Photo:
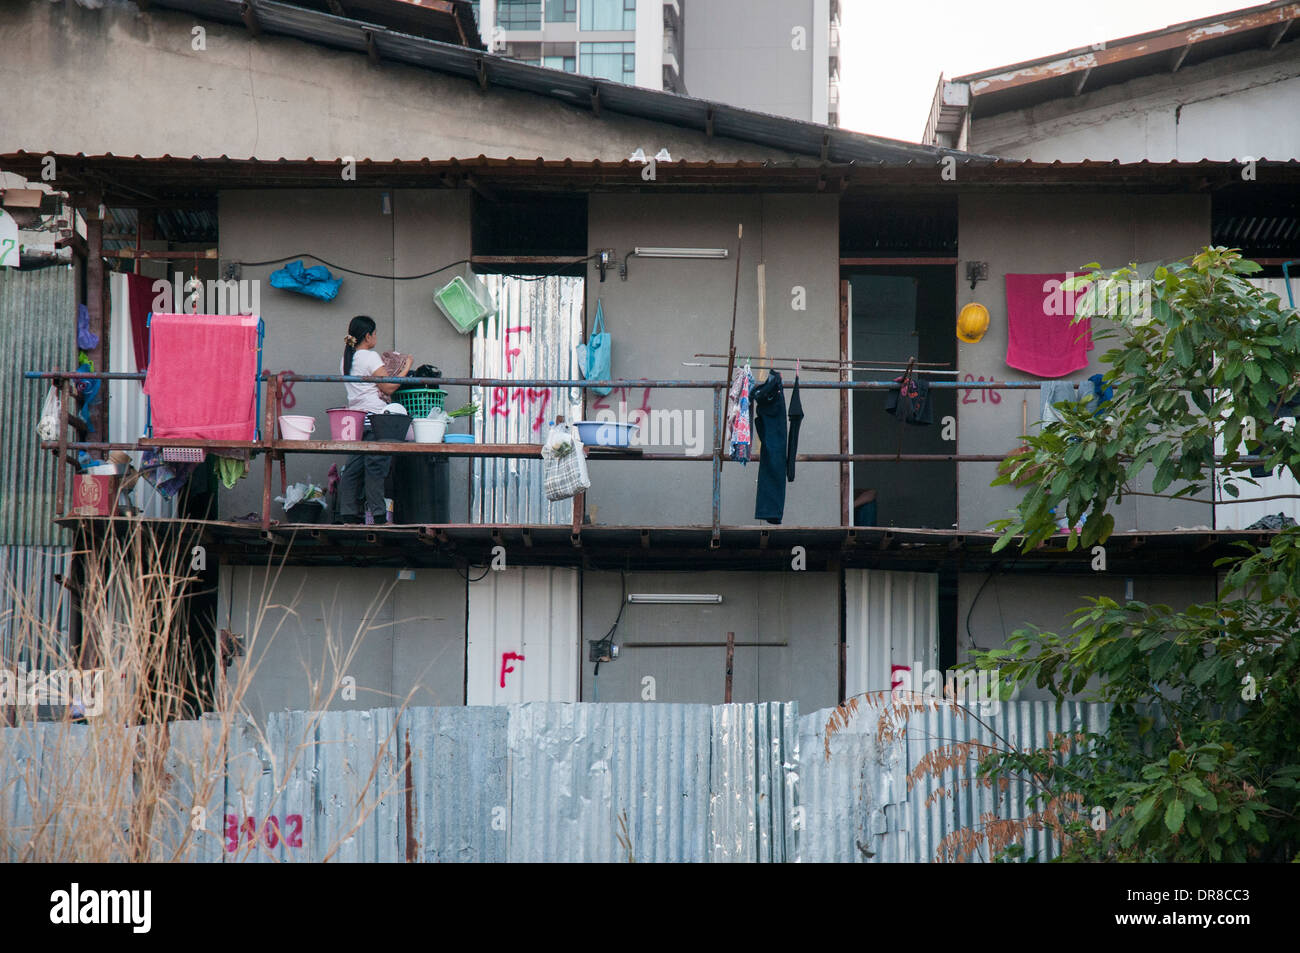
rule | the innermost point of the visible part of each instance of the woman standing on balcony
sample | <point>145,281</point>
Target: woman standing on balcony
<point>364,474</point>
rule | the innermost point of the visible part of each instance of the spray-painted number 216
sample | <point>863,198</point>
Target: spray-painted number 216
<point>269,834</point>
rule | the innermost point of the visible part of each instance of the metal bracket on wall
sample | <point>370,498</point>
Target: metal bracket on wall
<point>976,271</point>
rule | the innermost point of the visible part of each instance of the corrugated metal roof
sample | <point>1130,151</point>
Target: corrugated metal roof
<point>38,313</point>
<point>731,122</point>
<point>124,180</point>
<point>1157,52</point>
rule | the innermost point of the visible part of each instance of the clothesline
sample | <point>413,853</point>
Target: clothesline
<point>821,368</point>
<point>839,361</point>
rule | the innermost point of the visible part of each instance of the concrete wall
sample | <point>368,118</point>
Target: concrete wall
<point>399,640</point>
<point>1050,234</point>
<point>426,229</point>
<point>670,309</point>
<point>726,39</point>
<point>1014,601</point>
<point>1230,107</point>
<point>801,609</point>
<point>118,80</point>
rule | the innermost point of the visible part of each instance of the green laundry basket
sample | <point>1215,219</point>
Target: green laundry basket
<point>465,304</point>
<point>420,401</point>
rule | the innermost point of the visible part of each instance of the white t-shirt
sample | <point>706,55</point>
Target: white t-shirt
<point>364,396</point>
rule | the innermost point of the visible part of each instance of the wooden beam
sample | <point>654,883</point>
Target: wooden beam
<point>372,51</point>
<point>1275,35</point>
<point>480,69</point>
<point>1079,81</point>
<point>708,123</point>
<point>595,101</point>
<point>480,188</point>
<point>1176,60</point>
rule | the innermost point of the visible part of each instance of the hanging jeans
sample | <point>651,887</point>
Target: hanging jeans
<point>769,424</point>
<point>364,474</point>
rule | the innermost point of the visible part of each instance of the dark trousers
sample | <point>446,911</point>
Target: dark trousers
<point>364,474</point>
<point>769,424</point>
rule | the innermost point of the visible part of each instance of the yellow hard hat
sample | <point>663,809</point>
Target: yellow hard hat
<point>972,322</point>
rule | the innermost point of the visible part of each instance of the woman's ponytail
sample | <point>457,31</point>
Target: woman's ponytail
<point>358,328</point>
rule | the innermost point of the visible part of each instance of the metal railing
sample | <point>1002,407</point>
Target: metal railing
<point>273,449</point>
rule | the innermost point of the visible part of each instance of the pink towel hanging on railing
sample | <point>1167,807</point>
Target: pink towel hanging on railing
<point>1041,337</point>
<point>202,377</point>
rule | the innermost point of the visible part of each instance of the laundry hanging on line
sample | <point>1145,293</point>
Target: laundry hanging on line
<point>910,401</point>
<point>796,421</point>
<point>738,413</point>
<point>770,426</point>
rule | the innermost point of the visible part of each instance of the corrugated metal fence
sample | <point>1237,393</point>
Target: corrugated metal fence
<point>37,330</point>
<point>540,781</point>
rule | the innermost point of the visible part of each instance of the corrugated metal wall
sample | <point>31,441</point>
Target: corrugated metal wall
<point>533,335</point>
<point>1242,515</point>
<point>533,782</point>
<point>38,314</point>
<point>890,618</point>
<point>857,805</point>
<point>32,605</point>
<point>38,322</point>
<point>527,620</point>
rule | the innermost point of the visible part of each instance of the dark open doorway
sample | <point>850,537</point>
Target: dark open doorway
<point>898,313</point>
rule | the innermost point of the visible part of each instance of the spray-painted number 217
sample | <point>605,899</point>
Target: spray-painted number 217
<point>269,834</point>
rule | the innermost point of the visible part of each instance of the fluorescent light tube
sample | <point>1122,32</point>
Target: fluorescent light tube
<point>674,598</point>
<point>641,252</point>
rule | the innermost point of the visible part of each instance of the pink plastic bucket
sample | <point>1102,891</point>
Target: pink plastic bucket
<point>346,424</point>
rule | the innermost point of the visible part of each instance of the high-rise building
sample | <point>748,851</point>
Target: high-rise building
<point>776,56</point>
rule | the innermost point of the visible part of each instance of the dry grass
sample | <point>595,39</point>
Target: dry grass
<point>118,786</point>
<point>952,767</point>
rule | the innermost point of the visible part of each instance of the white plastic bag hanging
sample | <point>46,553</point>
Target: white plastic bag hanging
<point>565,466</point>
<point>47,428</point>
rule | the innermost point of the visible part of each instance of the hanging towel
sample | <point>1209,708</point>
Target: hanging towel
<point>231,471</point>
<point>738,418</point>
<point>139,302</point>
<point>1052,393</point>
<point>769,424</point>
<point>202,377</point>
<point>796,421</point>
<point>1040,336</point>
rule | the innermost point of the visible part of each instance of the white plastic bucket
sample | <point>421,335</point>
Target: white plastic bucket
<point>293,427</point>
<point>429,431</point>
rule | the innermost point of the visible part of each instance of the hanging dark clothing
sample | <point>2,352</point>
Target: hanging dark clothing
<point>768,401</point>
<point>910,401</point>
<point>796,421</point>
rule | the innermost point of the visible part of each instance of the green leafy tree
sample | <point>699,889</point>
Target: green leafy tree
<point>1201,760</point>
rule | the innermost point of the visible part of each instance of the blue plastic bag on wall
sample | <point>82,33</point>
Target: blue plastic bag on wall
<point>593,357</point>
<point>316,282</point>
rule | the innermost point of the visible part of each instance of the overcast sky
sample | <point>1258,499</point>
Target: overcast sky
<point>892,51</point>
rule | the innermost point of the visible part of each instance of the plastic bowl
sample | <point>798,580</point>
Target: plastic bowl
<point>605,433</point>
<point>458,438</point>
